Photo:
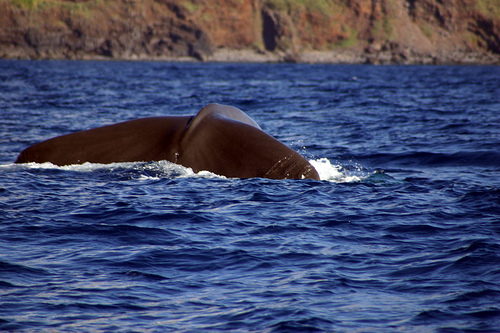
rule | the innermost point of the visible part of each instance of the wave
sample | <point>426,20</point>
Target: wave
<point>333,173</point>
<point>488,158</point>
<point>133,170</point>
<point>327,170</point>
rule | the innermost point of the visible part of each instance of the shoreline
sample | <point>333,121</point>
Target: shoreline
<point>352,57</point>
<point>339,57</point>
<point>338,32</point>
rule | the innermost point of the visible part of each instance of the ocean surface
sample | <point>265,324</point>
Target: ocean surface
<point>401,234</point>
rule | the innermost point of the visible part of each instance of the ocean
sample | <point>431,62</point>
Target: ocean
<point>402,233</point>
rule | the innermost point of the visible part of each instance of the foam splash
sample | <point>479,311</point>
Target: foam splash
<point>172,170</point>
<point>85,167</point>
<point>138,170</point>
<point>332,173</point>
<point>165,169</point>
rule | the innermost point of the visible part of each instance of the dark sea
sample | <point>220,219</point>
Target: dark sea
<point>402,233</point>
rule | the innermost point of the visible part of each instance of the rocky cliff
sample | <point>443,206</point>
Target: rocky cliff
<point>338,31</point>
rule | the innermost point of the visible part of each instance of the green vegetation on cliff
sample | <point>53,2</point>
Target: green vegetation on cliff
<point>489,8</point>
<point>26,4</point>
<point>320,6</point>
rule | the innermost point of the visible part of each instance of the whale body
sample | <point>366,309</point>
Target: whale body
<point>220,138</point>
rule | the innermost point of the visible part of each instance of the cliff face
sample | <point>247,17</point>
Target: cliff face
<point>375,31</point>
<point>88,29</point>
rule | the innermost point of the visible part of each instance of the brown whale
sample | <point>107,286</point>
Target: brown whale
<point>220,138</point>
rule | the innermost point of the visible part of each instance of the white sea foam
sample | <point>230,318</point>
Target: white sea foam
<point>179,171</point>
<point>85,167</point>
<point>333,173</point>
<point>165,169</point>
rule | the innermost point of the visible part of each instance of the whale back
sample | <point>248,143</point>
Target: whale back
<point>220,139</point>
<point>226,111</point>
<point>145,139</point>
<point>224,140</point>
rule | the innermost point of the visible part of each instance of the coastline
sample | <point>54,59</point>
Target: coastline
<point>352,57</point>
<point>356,32</point>
<point>341,57</point>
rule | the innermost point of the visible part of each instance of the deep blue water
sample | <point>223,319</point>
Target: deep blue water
<point>402,233</point>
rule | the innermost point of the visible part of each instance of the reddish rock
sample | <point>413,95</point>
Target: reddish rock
<point>374,31</point>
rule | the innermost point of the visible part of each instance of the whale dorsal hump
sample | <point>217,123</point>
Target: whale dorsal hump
<point>226,111</point>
